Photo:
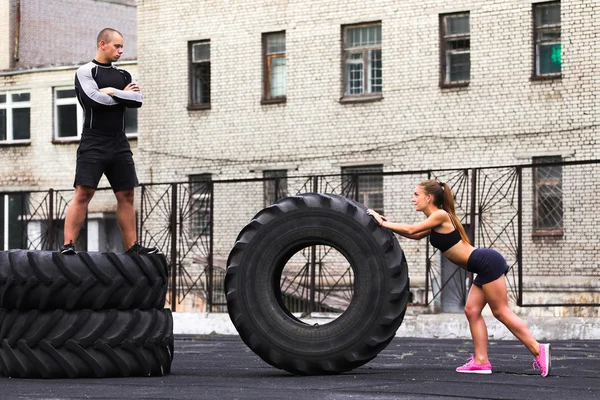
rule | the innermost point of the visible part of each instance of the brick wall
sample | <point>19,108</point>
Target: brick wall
<point>501,118</point>
<point>63,32</point>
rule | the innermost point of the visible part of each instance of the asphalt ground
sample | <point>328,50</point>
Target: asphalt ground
<point>222,367</point>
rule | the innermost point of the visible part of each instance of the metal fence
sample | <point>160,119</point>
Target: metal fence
<point>541,217</point>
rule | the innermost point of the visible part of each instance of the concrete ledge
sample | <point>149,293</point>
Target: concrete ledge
<point>442,326</point>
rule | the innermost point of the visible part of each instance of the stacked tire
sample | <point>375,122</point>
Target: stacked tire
<point>84,315</point>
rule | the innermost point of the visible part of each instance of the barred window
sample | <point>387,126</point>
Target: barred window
<point>455,49</point>
<point>275,185</point>
<point>547,42</point>
<point>548,199</point>
<point>14,117</point>
<point>200,195</point>
<point>274,66</point>
<point>366,189</point>
<point>362,59</point>
<point>199,74</point>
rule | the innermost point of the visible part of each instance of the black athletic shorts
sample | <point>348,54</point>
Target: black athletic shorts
<point>488,264</point>
<point>108,154</point>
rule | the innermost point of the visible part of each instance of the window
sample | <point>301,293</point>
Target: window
<point>455,49</point>
<point>275,186</point>
<point>131,121</point>
<point>362,60</point>
<point>274,66</point>
<point>200,74</point>
<point>548,201</point>
<point>366,189</point>
<point>200,196</point>
<point>548,58</point>
<point>13,207</point>
<point>69,116</point>
<point>14,117</point>
<point>102,233</point>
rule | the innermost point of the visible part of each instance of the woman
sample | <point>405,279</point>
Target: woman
<point>447,234</point>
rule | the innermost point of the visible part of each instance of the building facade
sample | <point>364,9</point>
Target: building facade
<point>246,102</point>
<point>262,89</point>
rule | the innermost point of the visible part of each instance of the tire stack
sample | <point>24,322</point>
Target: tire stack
<point>85,315</point>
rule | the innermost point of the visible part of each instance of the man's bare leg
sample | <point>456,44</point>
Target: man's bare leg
<point>126,216</point>
<point>77,211</point>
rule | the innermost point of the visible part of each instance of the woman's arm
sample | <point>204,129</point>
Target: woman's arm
<point>410,230</point>
<point>416,236</point>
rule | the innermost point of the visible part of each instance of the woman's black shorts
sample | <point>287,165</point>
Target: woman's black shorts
<point>108,154</point>
<point>488,264</point>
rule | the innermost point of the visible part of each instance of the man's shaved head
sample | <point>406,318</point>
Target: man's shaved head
<point>106,34</point>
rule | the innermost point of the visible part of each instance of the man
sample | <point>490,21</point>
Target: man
<point>105,92</point>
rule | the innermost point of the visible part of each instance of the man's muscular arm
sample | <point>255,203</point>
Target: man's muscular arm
<point>131,96</point>
<point>91,95</point>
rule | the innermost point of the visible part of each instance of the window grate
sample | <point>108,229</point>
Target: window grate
<point>548,195</point>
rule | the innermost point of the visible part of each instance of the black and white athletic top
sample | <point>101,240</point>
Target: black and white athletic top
<point>104,113</point>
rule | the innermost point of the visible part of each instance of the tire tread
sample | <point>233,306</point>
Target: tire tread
<point>46,280</point>
<point>83,343</point>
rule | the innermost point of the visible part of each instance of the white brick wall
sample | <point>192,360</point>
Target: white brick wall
<point>417,125</point>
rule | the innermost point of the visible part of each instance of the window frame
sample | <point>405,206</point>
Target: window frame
<point>535,76</point>
<point>364,171</point>
<point>191,76</point>
<point>9,105</point>
<point>535,230</point>
<point>5,219</point>
<point>277,178</point>
<point>346,51</point>
<point>80,115</point>
<point>443,49</point>
<point>267,58</point>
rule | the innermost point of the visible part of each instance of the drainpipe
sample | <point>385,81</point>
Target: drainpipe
<point>17,27</point>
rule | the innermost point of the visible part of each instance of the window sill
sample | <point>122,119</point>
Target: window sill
<point>457,85</point>
<point>547,234</point>
<point>195,107</point>
<point>365,98</point>
<point>545,78</point>
<point>276,100</point>
<point>15,144</point>
<point>132,136</point>
<point>66,140</point>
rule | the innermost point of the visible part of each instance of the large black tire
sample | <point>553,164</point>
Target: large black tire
<point>252,285</point>
<point>85,343</point>
<point>48,280</point>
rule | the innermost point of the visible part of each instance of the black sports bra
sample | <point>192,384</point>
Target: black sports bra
<point>443,241</point>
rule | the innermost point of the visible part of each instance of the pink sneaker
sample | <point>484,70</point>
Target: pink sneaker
<point>543,361</point>
<point>472,368</point>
